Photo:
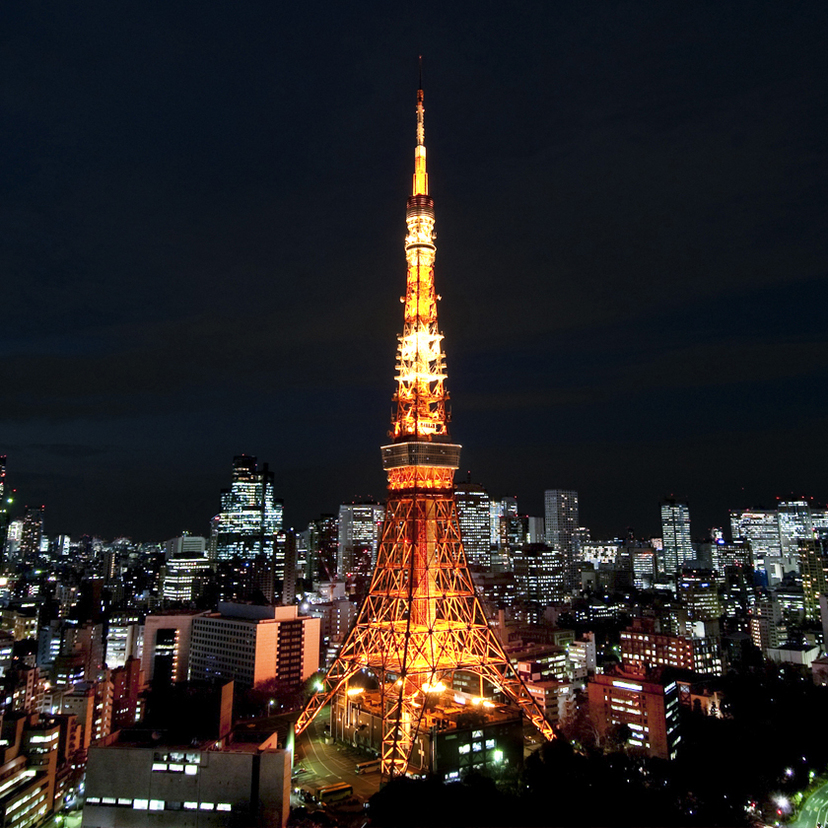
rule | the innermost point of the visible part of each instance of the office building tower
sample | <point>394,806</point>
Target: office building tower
<point>644,565</point>
<point>698,591</point>
<point>183,579</point>
<point>760,527</point>
<point>767,626</point>
<point>562,522</point>
<point>284,567</point>
<point>14,536</point>
<point>250,518</point>
<point>535,529</point>
<point>421,623</point>
<point>813,565</point>
<point>496,512</point>
<point>643,649</point>
<point>358,533</point>
<point>675,529</point>
<point>474,514</point>
<point>540,574</point>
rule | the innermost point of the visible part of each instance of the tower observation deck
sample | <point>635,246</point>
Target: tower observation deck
<point>421,620</point>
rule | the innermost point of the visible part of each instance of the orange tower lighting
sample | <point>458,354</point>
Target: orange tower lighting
<point>421,620</point>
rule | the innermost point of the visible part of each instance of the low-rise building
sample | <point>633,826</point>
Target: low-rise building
<point>196,773</point>
<point>459,732</point>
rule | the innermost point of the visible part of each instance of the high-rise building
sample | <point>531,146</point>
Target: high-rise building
<point>699,592</point>
<point>813,564</point>
<point>760,527</point>
<point>539,578</point>
<point>323,547</point>
<point>358,537</point>
<point>675,529</point>
<point>767,627</point>
<point>124,640</point>
<point>562,522</point>
<point>250,518</point>
<point>421,623</point>
<point>32,534</point>
<point>795,524</point>
<point>474,514</point>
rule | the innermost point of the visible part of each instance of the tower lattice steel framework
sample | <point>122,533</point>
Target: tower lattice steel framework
<point>421,620</point>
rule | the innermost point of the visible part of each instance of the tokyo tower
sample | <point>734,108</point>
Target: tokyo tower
<point>421,620</point>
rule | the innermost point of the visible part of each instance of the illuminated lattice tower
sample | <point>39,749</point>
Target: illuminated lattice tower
<point>421,620</point>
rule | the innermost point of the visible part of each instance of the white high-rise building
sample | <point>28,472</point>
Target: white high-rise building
<point>795,524</point>
<point>760,527</point>
<point>474,514</point>
<point>675,529</point>
<point>250,518</point>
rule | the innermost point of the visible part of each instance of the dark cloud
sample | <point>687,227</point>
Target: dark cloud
<point>201,241</point>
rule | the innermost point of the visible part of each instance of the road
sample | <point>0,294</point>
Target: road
<point>70,819</point>
<point>330,763</point>
<point>815,810</point>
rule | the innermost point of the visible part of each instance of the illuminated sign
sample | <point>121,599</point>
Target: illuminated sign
<point>628,685</point>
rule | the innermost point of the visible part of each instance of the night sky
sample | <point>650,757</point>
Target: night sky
<point>201,249</point>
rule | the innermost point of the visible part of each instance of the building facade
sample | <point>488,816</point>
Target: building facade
<point>358,536</point>
<point>253,644</point>
<point>250,518</point>
<point>474,514</point>
<point>562,523</point>
<point>675,531</point>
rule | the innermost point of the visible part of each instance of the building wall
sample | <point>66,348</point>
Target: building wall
<point>182,625</point>
<point>276,644</point>
<point>150,794</point>
<point>648,707</point>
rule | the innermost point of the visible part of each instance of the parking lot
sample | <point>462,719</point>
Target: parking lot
<point>318,764</point>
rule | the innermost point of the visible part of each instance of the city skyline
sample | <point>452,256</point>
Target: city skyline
<point>202,221</point>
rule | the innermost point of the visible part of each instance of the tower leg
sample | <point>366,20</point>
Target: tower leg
<point>337,676</point>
